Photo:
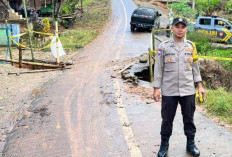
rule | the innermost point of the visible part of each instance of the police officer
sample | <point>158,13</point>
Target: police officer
<point>176,74</point>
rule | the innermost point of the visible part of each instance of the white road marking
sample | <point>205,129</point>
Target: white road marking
<point>127,130</point>
<point>124,30</point>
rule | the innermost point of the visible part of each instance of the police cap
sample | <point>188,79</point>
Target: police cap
<point>179,20</point>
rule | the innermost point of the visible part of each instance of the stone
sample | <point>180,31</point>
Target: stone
<point>143,58</point>
<point>69,62</point>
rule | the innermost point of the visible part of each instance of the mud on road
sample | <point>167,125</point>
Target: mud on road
<point>90,111</point>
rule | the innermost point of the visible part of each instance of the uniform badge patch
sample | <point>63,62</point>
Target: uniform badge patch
<point>169,60</point>
<point>189,50</point>
<point>159,52</point>
<point>189,59</point>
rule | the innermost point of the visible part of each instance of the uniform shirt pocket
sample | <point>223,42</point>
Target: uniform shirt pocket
<point>169,63</point>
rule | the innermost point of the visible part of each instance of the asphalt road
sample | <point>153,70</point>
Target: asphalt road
<point>87,113</point>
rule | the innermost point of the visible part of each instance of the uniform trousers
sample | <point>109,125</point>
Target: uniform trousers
<point>168,112</point>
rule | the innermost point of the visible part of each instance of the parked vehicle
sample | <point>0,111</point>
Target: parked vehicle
<point>144,17</point>
<point>45,10</point>
<point>220,29</point>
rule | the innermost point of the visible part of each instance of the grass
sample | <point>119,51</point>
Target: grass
<point>219,103</point>
<point>227,53</point>
<point>76,39</point>
<point>89,26</point>
<point>86,2</point>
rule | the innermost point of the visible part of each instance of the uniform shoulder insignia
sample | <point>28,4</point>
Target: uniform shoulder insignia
<point>190,42</point>
<point>165,42</point>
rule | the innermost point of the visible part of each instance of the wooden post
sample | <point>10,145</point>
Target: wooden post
<point>153,39</point>
<point>28,27</point>
<point>150,54</point>
<point>150,64</point>
<point>57,44</point>
<point>82,11</point>
<point>20,54</point>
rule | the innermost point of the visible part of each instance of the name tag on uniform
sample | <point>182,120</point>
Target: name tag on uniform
<point>169,54</point>
<point>188,54</point>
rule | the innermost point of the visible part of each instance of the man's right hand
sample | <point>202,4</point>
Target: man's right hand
<point>156,94</point>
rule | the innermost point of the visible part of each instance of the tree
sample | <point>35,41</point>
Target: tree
<point>207,7</point>
<point>182,9</point>
<point>70,6</point>
<point>56,7</point>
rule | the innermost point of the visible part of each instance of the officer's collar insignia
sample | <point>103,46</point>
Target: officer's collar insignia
<point>173,45</point>
<point>159,52</point>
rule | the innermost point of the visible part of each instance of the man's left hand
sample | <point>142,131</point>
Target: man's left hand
<point>201,91</point>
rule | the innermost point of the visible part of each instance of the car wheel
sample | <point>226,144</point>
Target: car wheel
<point>132,28</point>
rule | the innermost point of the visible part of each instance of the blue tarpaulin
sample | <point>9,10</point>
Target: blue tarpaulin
<point>14,30</point>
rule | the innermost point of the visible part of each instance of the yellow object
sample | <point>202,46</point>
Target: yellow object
<point>24,46</point>
<point>199,98</point>
<point>216,58</point>
<point>195,56</point>
<point>47,27</point>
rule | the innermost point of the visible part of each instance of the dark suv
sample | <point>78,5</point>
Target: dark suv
<point>144,17</point>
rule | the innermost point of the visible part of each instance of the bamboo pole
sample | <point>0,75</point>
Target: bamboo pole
<point>20,54</point>
<point>34,63</point>
<point>28,27</point>
<point>153,39</point>
<point>150,65</point>
<point>57,44</point>
<point>150,53</point>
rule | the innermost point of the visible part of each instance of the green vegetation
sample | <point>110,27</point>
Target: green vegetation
<point>207,7</point>
<point>227,53</point>
<point>203,7</point>
<point>76,39</point>
<point>182,9</point>
<point>202,41</point>
<point>219,103</point>
<point>88,26</point>
<point>69,6</point>
<point>204,47</point>
<point>86,2</point>
<point>229,7</point>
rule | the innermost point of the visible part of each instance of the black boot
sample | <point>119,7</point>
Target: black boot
<point>164,146</point>
<point>191,147</point>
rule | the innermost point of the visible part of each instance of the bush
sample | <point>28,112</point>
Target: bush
<point>227,53</point>
<point>228,7</point>
<point>202,41</point>
<point>69,6</point>
<point>182,9</point>
<point>207,7</point>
